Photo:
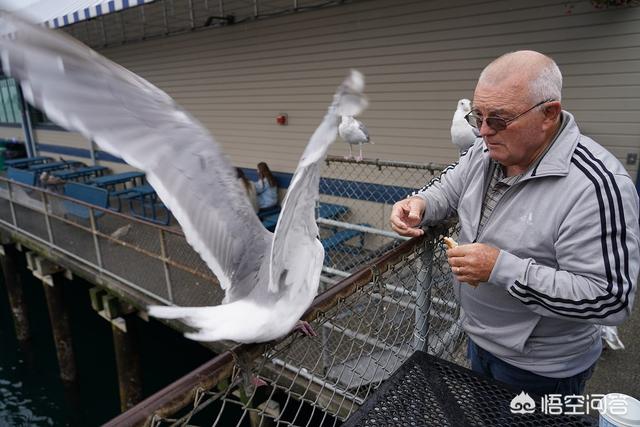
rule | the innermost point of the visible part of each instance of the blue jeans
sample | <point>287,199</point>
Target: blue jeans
<point>490,366</point>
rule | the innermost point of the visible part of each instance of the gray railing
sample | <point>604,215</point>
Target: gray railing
<point>382,298</point>
<point>368,324</point>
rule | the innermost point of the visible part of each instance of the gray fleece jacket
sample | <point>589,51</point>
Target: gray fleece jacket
<point>568,238</point>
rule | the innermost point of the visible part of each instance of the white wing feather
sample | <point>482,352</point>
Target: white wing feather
<point>131,118</point>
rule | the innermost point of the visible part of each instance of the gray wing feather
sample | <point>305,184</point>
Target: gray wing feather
<point>132,119</point>
<point>364,130</point>
<point>296,231</point>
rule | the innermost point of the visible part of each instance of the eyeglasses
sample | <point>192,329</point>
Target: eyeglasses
<point>497,123</point>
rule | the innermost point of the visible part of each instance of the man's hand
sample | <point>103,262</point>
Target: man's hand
<point>406,215</point>
<point>473,263</point>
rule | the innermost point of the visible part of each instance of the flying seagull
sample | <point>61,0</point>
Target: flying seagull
<point>269,279</point>
<point>352,131</point>
<point>463,135</point>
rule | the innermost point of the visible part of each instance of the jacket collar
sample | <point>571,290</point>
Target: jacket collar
<point>556,161</point>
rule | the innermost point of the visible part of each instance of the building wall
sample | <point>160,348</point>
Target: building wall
<point>9,132</point>
<point>419,58</point>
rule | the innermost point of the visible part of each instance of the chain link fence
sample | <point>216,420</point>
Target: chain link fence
<point>367,326</point>
<point>355,203</point>
<point>382,297</point>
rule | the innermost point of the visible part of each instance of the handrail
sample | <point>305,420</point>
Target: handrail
<point>177,395</point>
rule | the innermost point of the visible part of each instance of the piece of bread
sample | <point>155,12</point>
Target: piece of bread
<point>450,242</point>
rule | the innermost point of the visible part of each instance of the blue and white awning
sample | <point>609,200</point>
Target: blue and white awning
<point>60,13</point>
<point>88,12</point>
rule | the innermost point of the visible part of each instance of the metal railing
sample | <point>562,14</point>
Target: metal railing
<point>382,297</point>
<point>158,262</point>
<point>368,188</point>
<point>367,325</point>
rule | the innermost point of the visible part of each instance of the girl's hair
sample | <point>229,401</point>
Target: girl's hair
<point>240,174</point>
<point>265,172</point>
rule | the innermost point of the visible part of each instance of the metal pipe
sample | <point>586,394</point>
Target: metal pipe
<point>365,229</point>
<point>27,127</point>
<point>94,233</point>
<point>192,18</point>
<point>423,302</point>
<point>165,17</point>
<point>47,220</point>
<point>167,275</point>
<point>368,340</point>
<point>335,272</point>
<point>318,381</point>
<point>92,152</point>
<point>431,166</point>
<point>104,31</point>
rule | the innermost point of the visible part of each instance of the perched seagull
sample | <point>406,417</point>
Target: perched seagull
<point>121,232</point>
<point>610,336</point>
<point>44,178</point>
<point>463,135</point>
<point>352,131</point>
<point>269,278</point>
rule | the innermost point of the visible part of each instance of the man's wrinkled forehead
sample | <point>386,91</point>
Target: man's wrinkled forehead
<point>499,97</point>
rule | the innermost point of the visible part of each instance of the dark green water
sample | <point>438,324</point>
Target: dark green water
<point>31,393</point>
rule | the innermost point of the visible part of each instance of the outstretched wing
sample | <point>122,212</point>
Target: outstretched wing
<point>129,117</point>
<point>296,249</point>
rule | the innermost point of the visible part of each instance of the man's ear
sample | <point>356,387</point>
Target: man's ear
<point>552,111</point>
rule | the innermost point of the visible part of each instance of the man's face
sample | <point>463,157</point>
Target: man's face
<point>521,141</point>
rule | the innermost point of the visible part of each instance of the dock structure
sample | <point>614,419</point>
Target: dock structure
<point>366,314</point>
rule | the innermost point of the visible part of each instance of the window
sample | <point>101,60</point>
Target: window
<point>10,104</point>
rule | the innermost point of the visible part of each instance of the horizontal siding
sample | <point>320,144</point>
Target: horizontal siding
<point>7,132</point>
<point>419,57</point>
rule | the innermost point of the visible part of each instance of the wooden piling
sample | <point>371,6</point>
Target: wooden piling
<point>61,328</point>
<point>128,363</point>
<point>10,262</point>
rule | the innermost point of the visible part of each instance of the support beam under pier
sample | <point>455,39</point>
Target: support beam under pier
<point>10,262</point>
<point>122,317</point>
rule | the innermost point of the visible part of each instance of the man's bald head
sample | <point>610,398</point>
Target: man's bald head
<point>528,71</point>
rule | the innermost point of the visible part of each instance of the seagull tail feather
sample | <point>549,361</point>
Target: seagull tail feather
<point>164,312</point>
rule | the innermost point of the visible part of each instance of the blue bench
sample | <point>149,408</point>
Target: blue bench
<point>88,194</point>
<point>149,204</point>
<point>25,162</point>
<point>330,210</point>
<point>269,217</point>
<point>337,240</point>
<point>22,176</point>
<point>270,222</point>
<point>83,173</point>
<point>273,210</point>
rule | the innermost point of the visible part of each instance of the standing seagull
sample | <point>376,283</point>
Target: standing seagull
<point>352,131</point>
<point>269,279</point>
<point>463,135</point>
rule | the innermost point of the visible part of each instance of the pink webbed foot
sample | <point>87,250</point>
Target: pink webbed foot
<point>305,328</point>
<point>256,381</point>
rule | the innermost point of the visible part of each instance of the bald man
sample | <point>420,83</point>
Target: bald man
<point>549,231</point>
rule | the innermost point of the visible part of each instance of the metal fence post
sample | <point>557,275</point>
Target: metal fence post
<point>423,301</point>
<point>94,232</point>
<point>167,275</point>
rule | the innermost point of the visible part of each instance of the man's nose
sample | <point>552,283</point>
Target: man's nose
<point>485,130</point>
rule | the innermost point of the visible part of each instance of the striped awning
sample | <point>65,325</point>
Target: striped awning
<point>60,13</point>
